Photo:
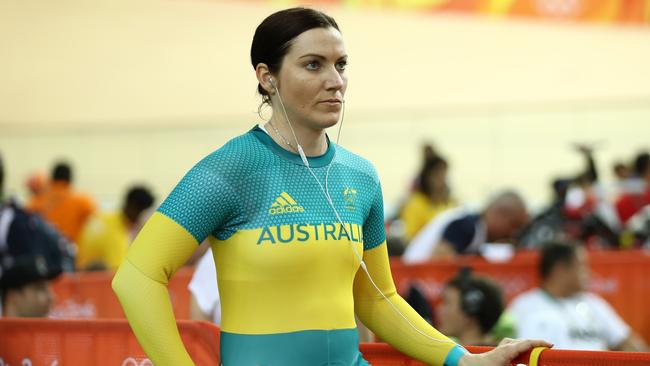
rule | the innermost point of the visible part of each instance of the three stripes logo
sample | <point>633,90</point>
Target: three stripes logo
<point>285,204</point>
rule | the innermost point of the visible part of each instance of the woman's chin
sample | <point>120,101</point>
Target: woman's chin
<point>330,120</point>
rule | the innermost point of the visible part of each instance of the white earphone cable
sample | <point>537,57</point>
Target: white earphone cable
<point>338,217</point>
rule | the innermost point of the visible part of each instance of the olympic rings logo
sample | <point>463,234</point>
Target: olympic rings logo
<point>130,361</point>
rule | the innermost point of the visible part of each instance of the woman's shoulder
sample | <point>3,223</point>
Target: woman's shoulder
<point>239,156</point>
<point>355,162</point>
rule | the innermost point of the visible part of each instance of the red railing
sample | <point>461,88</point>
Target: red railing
<point>618,276</point>
<point>55,342</point>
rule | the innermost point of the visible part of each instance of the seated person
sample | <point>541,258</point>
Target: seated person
<point>106,237</point>
<point>471,306</point>
<point>462,231</point>
<point>562,312</point>
<point>32,253</point>
<point>62,205</point>
<point>25,287</point>
<point>430,197</point>
<point>633,199</point>
<point>205,303</point>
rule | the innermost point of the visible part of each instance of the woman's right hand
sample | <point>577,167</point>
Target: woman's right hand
<point>505,352</point>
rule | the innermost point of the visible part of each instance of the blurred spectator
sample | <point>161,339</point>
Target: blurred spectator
<point>26,289</point>
<point>637,231</point>
<point>60,205</point>
<point>31,254</point>
<point>622,171</point>
<point>430,198</point>
<point>462,231</point>
<point>36,184</point>
<point>637,194</point>
<point>104,241</point>
<point>471,306</point>
<point>579,211</point>
<point>563,313</point>
<point>205,302</point>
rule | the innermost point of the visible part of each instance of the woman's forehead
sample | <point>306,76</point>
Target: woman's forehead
<point>325,42</point>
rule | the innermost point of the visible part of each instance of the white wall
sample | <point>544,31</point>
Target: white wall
<point>139,90</point>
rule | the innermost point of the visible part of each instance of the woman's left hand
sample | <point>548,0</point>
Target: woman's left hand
<point>505,352</point>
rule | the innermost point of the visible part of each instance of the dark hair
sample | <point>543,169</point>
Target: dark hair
<point>139,197</point>
<point>62,171</point>
<point>275,34</point>
<point>554,253</point>
<point>430,165</point>
<point>642,164</point>
<point>480,298</point>
<point>618,166</point>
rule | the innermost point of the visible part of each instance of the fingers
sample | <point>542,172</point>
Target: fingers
<point>505,341</point>
<point>511,348</point>
<point>526,344</point>
<point>540,343</point>
<point>530,343</point>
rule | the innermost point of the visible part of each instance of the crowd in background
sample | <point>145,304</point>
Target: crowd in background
<point>61,229</point>
<point>431,222</point>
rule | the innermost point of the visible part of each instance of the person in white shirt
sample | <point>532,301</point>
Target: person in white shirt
<point>464,231</point>
<point>563,313</point>
<point>205,303</point>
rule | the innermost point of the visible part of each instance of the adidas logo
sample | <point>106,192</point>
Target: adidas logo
<point>285,204</point>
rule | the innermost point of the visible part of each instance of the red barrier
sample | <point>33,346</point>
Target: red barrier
<point>89,295</point>
<point>52,342</point>
<point>55,342</point>
<point>381,354</point>
<point>618,276</point>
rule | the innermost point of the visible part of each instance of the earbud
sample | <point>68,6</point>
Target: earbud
<point>272,82</point>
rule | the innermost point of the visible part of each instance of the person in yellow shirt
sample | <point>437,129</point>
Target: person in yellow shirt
<point>430,197</point>
<point>104,241</point>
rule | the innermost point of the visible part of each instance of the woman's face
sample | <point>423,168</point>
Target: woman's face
<point>312,79</point>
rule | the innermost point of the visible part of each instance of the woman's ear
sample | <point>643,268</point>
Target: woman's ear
<point>265,78</point>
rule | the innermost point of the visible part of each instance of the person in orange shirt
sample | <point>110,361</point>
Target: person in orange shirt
<point>66,209</point>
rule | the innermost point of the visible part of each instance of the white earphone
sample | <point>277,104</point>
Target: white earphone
<point>325,191</point>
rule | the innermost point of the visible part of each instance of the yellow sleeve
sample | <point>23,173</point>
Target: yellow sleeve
<point>380,316</point>
<point>140,283</point>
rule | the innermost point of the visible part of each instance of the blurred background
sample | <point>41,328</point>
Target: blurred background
<point>140,90</point>
<point>512,122</point>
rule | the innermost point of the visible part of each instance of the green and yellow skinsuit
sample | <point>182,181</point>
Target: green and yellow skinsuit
<point>289,280</point>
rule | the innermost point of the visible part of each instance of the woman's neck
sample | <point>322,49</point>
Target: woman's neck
<point>313,142</point>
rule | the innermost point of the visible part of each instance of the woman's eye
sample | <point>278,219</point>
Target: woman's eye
<point>341,65</point>
<point>312,65</point>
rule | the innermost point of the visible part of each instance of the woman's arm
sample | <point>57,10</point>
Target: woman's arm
<point>396,322</point>
<point>389,324</point>
<point>140,283</point>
